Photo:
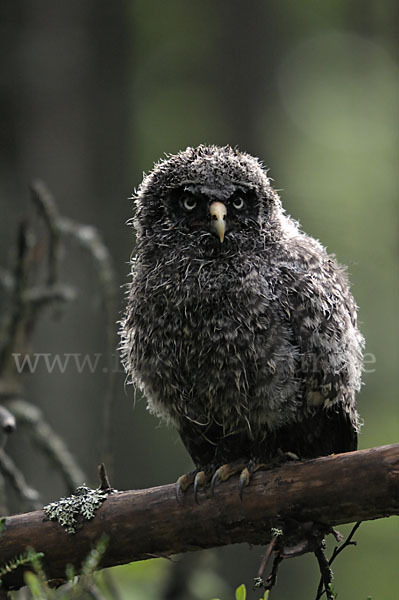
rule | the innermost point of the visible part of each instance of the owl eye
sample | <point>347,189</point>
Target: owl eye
<point>238,203</point>
<point>189,203</point>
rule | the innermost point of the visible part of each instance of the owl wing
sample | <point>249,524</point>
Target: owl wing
<point>322,315</point>
<point>318,433</point>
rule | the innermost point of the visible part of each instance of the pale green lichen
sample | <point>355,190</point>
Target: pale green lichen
<point>83,503</point>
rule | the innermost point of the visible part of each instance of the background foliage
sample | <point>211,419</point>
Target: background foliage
<point>92,93</point>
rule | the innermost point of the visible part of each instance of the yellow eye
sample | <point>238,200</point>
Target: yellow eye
<point>189,203</point>
<point>238,203</point>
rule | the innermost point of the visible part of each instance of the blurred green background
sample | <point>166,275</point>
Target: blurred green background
<point>92,93</point>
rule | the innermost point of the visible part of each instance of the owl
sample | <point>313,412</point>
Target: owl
<point>240,330</point>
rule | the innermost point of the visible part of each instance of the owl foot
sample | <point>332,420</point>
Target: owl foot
<point>283,457</point>
<point>253,466</point>
<point>184,482</point>
<point>247,468</point>
<point>244,468</point>
<point>198,478</point>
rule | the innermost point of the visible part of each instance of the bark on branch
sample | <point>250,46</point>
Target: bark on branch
<point>148,523</point>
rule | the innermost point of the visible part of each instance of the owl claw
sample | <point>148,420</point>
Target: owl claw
<point>245,469</point>
<point>200,477</point>
<point>214,480</point>
<point>224,473</point>
<point>221,474</point>
<point>183,483</point>
<point>199,482</point>
<point>245,478</point>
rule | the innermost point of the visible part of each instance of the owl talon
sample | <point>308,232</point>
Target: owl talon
<point>184,482</point>
<point>221,474</point>
<point>199,482</point>
<point>224,473</point>
<point>287,455</point>
<point>247,472</point>
<point>291,456</point>
<point>283,457</point>
<point>214,480</point>
<point>245,478</point>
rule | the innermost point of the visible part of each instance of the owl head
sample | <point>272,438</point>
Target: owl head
<point>206,196</point>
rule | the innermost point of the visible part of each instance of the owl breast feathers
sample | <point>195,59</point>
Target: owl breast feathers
<point>239,329</point>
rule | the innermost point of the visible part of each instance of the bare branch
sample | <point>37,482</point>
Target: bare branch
<point>7,420</point>
<point>337,551</point>
<point>141,524</point>
<point>48,441</point>
<point>16,479</point>
<point>104,481</point>
<point>90,239</point>
<point>46,206</point>
<point>15,314</point>
<point>326,573</point>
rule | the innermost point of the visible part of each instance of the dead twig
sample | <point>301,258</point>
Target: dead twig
<point>325,570</point>
<point>336,552</point>
<point>89,238</point>
<point>48,442</point>
<point>104,481</point>
<point>16,479</point>
<point>16,306</point>
<point>7,420</point>
<point>44,202</point>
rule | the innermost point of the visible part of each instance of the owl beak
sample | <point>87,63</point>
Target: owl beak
<point>218,212</point>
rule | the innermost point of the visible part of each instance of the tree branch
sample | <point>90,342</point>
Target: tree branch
<point>148,523</point>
